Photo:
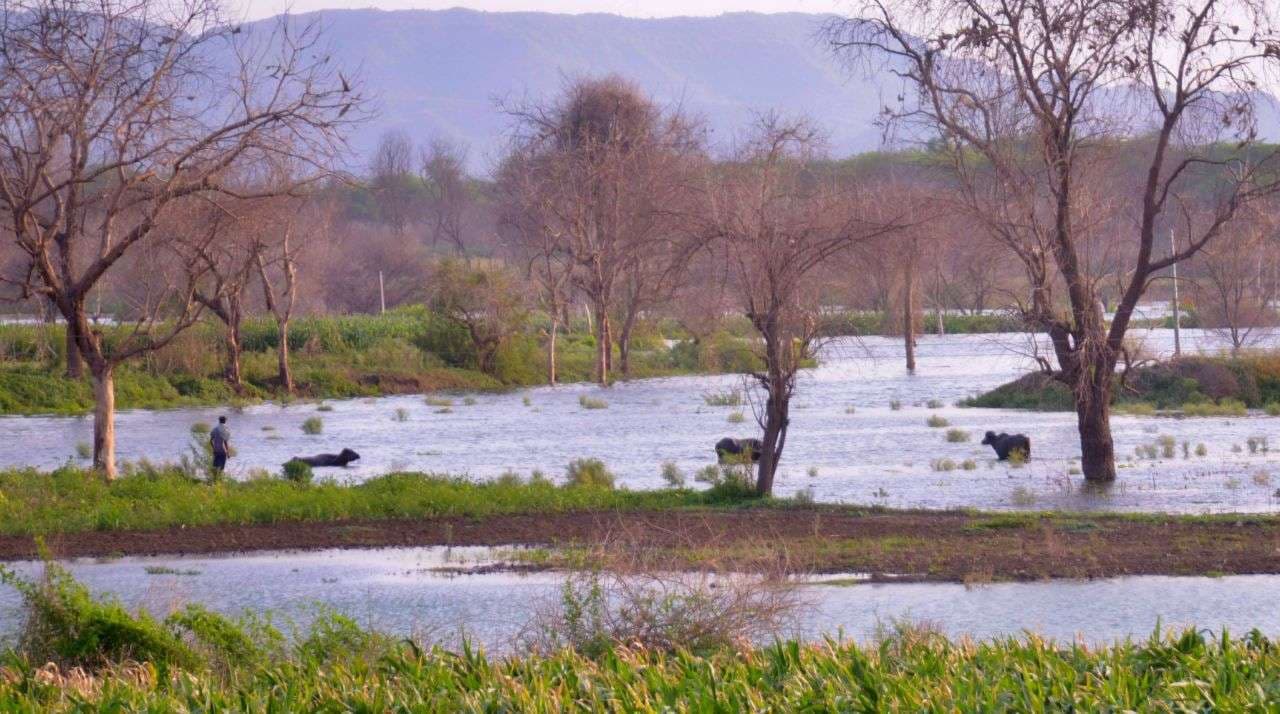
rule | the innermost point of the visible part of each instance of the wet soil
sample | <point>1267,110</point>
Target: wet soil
<point>935,546</point>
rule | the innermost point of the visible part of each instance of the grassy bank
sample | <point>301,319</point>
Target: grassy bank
<point>405,351</point>
<point>78,653</point>
<point>71,500</point>
<point>1199,386</point>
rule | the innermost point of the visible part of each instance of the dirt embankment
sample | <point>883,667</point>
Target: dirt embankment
<point>929,546</point>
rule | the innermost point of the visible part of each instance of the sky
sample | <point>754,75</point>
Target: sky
<point>257,9</point>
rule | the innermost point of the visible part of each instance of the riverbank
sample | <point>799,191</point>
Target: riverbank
<point>159,513</point>
<point>406,351</point>
<point>1194,386</point>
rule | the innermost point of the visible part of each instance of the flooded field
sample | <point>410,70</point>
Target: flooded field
<point>402,591</point>
<point>847,442</point>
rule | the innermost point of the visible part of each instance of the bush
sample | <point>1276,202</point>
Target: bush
<point>956,436</point>
<point>589,473</point>
<point>312,426</point>
<point>587,402</point>
<point>66,624</point>
<point>298,471</point>
<point>672,475</point>
<point>937,422</point>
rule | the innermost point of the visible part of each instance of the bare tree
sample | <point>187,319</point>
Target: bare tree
<point>276,250</point>
<point>776,219</point>
<point>112,114</point>
<point>449,196</point>
<point>395,187</point>
<point>1235,284</point>
<point>607,163</point>
<point>220,258</point>
<point>1032,97</point>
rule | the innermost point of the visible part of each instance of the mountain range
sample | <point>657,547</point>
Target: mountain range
<point>449,73</point>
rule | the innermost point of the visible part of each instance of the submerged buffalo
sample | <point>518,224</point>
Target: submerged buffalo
<point>342,459</point>
<point>1006,444</point>
<point>729,446</point>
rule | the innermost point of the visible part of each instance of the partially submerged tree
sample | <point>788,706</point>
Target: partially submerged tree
<point>1031,97</point>
<point>775,218</point>
<point>112,115</point>
<point>1235,282</point>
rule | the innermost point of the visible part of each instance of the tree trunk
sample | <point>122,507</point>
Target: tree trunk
<point>551,351</point>
<point>282,356</point>
<point>104,422</point>
<point>909,318</point>
<point>603,344</point>
<point>233,355</point>
<point>624,345</point>
<point>1093,414</point>
<point>775,435</point>
<point>75,365</point>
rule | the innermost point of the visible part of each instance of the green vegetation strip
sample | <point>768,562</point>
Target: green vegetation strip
<point>79,653</point>
<point>71,500</point>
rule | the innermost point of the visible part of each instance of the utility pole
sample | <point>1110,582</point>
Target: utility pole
<point>1177,314</point>
<point>382,293</point>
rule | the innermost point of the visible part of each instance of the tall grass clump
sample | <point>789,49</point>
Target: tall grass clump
<point>936,422</point>
<point>588,473</point>
<point>727,398</point>
<point>312,426</point>
<point>672,475</point>
<point>956,436</point>
<point>438,402</point>
<point>588,402</point>
<point>736,417</point>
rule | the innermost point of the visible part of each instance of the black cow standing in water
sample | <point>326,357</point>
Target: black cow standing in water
<point>1006,444</point>
<point>729,446</point>
<point>342,459</point>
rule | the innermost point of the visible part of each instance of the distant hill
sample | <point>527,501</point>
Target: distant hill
<point>441,73</point>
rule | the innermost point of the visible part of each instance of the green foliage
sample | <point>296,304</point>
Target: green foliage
<point>71,500</point>
<point>588,402</point>
<point>937,422</point>
<point>865,323</point>
<point>66,624</point>
<point>672,475</point>
<point>298,471</point>
<point>727,398</point>
<point>588,473</point>
<point>312,425</point>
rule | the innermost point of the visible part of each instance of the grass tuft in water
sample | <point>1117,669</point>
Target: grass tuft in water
<point>937,422</point>
<point>588,402</point>
<point>313,426</point>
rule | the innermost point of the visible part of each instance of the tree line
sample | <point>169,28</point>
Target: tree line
<point>1071,154</point>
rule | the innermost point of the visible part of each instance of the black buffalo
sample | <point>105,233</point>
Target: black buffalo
<point>730,447</point>
<point>1006,444</point>
<point>342,459</point>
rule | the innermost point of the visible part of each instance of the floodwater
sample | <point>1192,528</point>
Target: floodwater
<point>402,591</point>
<point>846,443</point>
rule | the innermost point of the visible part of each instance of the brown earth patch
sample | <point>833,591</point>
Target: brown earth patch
<point>939,546</point>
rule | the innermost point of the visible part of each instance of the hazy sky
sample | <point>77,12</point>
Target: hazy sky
<point>254,9</point>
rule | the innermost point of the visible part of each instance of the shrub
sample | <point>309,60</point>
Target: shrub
<point>1202,450</point>
<point>298,471</point>
<point>729,398</point>
<point>672,475</point>
<point>969,464</point>
<point>312,426</point>
<point>1227,407</point>
<point>589,473</point>
<point>729,481</point>
<point>937,422</point>
<point>1168,446</point>
<point>587,402</point>
<point>956,436</point>
<point>1272,408</point>
<point>67,625</point>
<point>200,428</point>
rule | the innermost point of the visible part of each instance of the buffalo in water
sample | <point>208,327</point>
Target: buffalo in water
<point>342,459</point>
<point>730,447</point>
<point>1006,444</point>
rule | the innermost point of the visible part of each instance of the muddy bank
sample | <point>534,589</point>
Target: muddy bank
<point>936,546</point>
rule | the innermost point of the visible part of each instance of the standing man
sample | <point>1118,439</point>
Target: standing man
<point>220,440</point>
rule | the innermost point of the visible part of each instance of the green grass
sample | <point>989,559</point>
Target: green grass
<point>73,500</point>
<point>197,660</point>
<point>406,351</point>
